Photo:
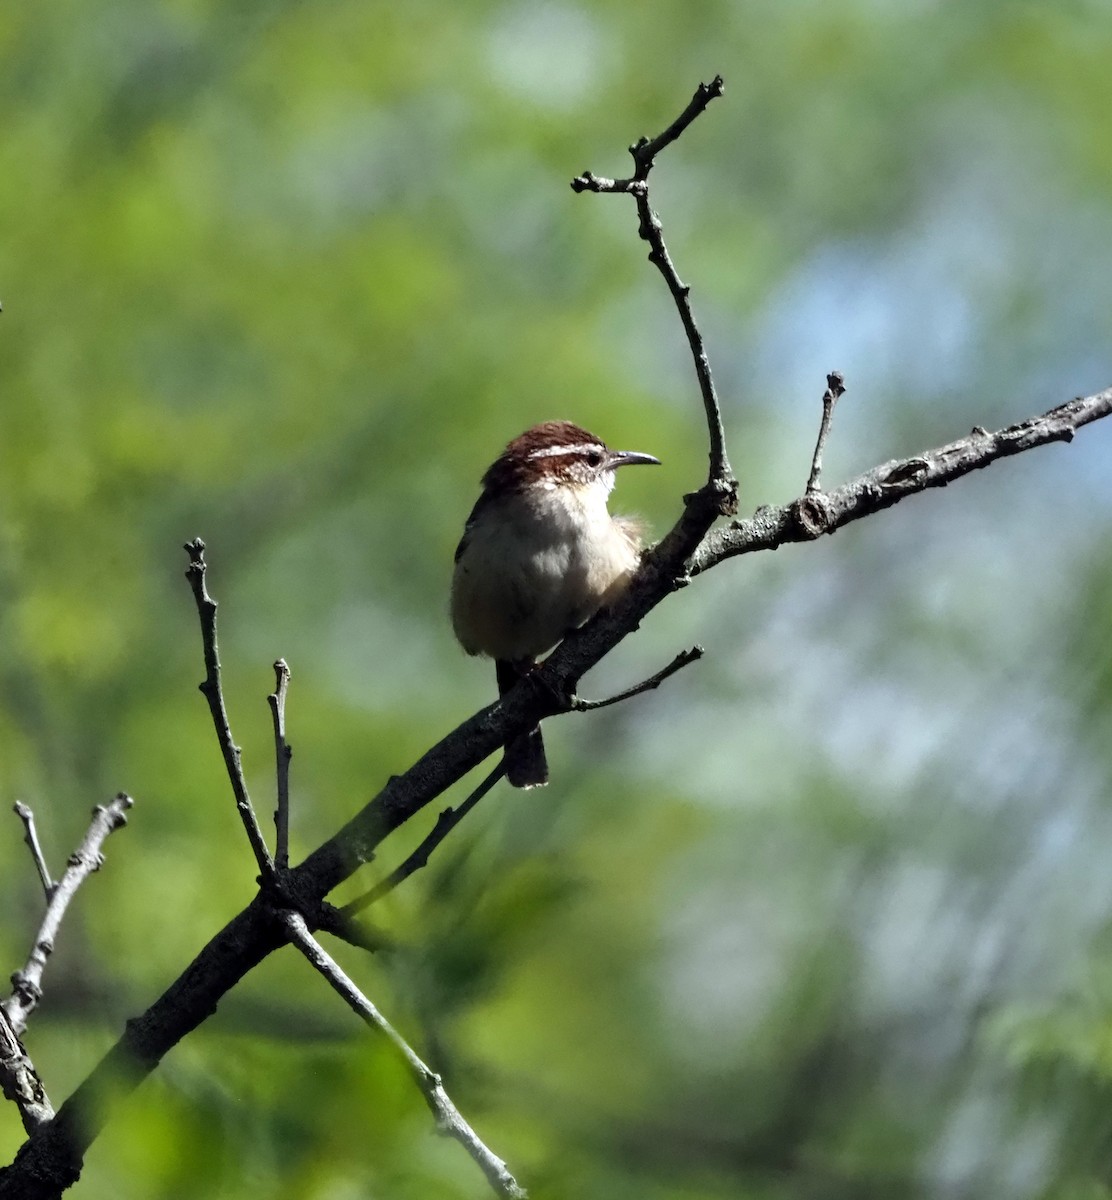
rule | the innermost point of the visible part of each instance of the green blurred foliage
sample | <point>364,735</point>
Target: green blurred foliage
<point>825,917</point>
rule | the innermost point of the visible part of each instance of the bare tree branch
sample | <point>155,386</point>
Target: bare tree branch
<point>19,1081</point>
<point>213,692</point>
<point>27,982</point>
<point>811,516</point>
<point>282,753</point>
<point>51,1159</point>
<point>449,1120</point>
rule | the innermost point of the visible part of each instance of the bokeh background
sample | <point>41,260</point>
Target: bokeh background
<point>828,915</point>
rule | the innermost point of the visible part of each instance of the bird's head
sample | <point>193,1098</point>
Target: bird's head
<point>558,454</point>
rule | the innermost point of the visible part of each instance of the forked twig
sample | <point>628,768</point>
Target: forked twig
<point>721,487</point>
<point>19,1081</point>
<point>449,1120</point>
<point>27,982</point>
<point>213,692</point>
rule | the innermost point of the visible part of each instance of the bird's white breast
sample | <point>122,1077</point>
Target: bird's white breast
<point>537,564</point>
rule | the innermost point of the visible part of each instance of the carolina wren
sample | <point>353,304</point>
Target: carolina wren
<point>540,554</point>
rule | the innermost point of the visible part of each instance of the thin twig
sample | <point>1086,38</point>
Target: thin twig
<point>31,837</point>
<point>683,659</point>
<point>213,693</point>
<point>327,918</point>
<point>721,487</point>
<point>645,150</point>
<point>445,823</point>
<point>282,754</point>
<point>19,1081</point>
<point>449,1120</point>
<point>835,388</point>
<point>27,982</point>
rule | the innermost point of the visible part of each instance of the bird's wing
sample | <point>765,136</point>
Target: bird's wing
<point>480,504</point>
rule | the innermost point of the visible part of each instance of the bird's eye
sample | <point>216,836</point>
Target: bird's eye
<point>594,458</point>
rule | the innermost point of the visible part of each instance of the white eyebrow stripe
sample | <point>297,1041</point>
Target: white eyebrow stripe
<point>553,451</point>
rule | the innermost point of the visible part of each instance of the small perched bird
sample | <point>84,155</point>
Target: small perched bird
<point>540,554</point>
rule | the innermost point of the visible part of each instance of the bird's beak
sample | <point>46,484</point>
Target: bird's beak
<point>629,458</point>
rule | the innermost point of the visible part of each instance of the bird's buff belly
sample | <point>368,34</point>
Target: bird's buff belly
<point>520,614</point>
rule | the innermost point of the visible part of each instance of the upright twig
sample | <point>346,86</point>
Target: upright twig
<point>445,823</point>
<point>27,982</point>
<point>31,837</point>
<point>835,388</point>
<point>213,692</point>
<point>449,1120</point>
<point>721,486</point>
<point>282,754</point>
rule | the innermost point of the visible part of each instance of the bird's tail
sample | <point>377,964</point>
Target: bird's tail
<point>526,765</point>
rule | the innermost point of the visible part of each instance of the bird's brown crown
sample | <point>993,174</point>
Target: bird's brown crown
<point>554,452</point>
